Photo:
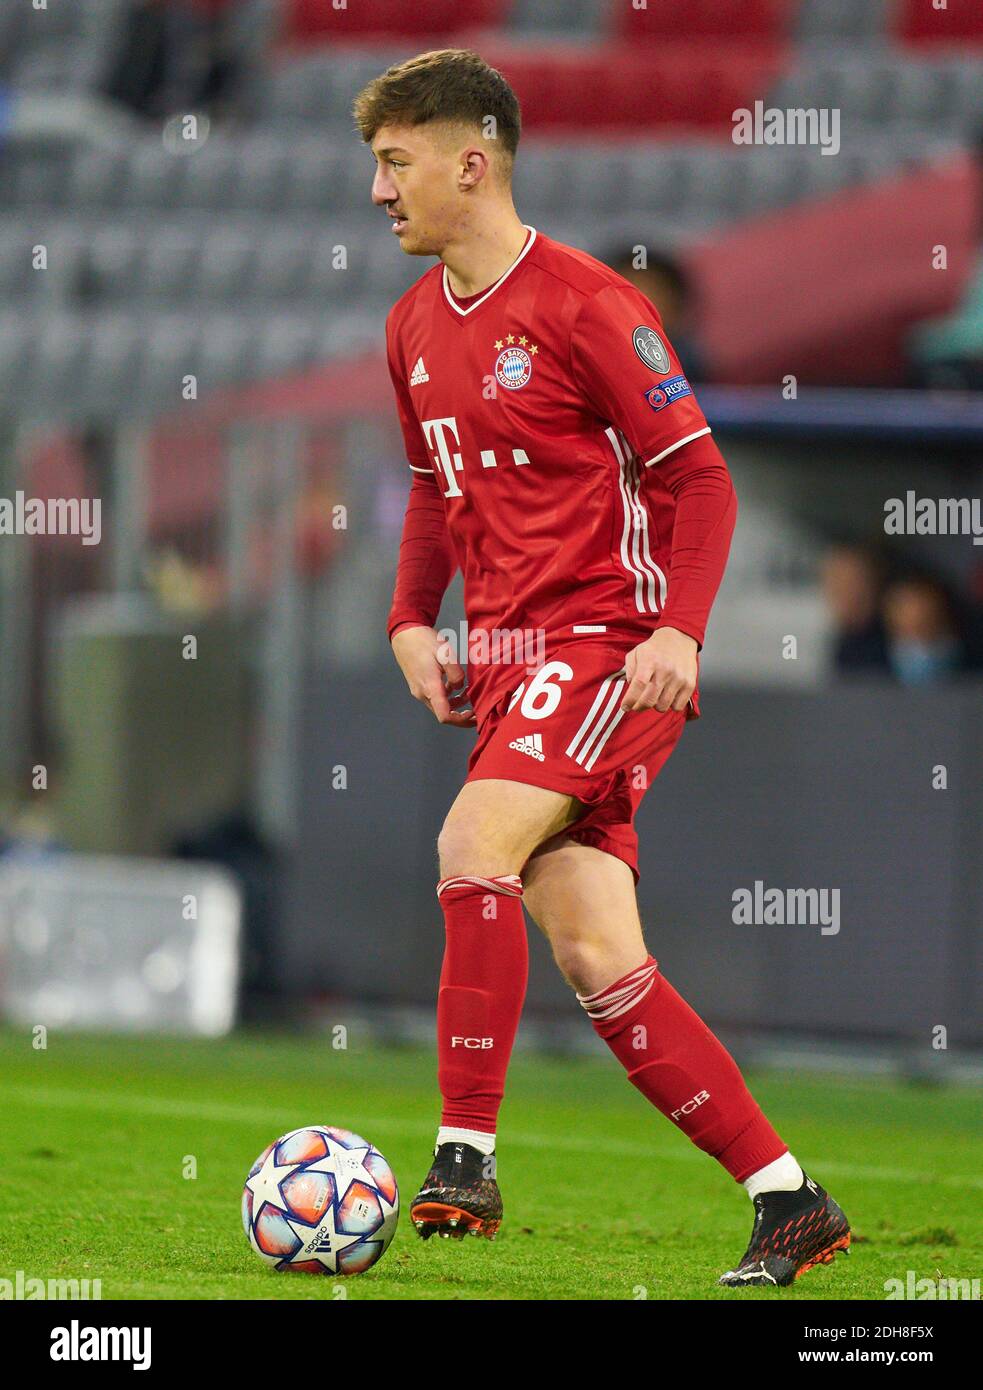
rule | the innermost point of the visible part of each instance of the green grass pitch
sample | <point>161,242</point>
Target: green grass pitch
<point>603,1198</point>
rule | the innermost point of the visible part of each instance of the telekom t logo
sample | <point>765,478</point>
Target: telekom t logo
<point>436,434</point>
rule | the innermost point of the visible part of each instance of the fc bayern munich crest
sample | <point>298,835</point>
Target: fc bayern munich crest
<point>513,368</point>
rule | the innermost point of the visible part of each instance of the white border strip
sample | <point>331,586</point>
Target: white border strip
<point>492,288</point>
<point>638,562</point>
<point>673,447</point>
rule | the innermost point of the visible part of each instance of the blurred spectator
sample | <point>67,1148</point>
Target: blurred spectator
<point>924,641</point>
<point>853,584</point>
<point>175,56</point>
<point>667,284</point>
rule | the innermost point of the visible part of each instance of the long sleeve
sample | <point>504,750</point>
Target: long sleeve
<point>630,373</point>
<point>426,559</point>
<point>706,511</point>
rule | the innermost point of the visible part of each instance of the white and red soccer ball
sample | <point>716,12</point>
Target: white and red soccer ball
<point>321,1200</point>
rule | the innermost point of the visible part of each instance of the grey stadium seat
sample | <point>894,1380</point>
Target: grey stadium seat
<point>227,264</point>
<point>111,379</point>
<point>225,349</point>
<point>842,19</point>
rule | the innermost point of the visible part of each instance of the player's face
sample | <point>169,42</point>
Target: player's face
<point>416,182</point>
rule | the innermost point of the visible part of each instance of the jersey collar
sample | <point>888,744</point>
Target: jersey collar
<point>463,313</point>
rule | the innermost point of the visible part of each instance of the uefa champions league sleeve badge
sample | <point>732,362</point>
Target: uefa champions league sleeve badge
<point>651,349</point>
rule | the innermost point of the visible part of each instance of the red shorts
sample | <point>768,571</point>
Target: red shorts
<point>563,728</point>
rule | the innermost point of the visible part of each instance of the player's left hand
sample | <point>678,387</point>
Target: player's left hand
<point>661,671</point>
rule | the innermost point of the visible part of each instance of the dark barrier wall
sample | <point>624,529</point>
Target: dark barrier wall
<point>796,791</point>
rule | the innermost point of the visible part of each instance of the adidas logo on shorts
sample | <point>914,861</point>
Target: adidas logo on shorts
<point>531,744</point>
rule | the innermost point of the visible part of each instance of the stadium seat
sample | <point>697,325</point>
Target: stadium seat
<point>677,84</point>
<point>153,178</point>
<point>13,356</point>
<point>960,22</point>
<point>569,18</point>
<point>17,278</point>
<point>662,21</point>
<point>286,344</point>
<point>56,374</point>
<point>114,346</point>
<point>33,173</point>
<point>225,349</point>
<point>114,262</point>
<point>836,20</point>
<point>877,87</point>
<point>227,264</point>
<point>246,227</point>
<point>307,20</point>
<point>323,176</point>
<point>172,264</point>
<point>95,178</point>
<point>315,87</point>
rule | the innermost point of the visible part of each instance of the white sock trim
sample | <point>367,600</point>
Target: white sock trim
<point>478,1139</point>
<point>781,1175</point>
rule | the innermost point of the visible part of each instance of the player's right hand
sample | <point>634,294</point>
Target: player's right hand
<point>434,676</point>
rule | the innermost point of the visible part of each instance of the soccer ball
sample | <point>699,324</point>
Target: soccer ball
<point>321,1200</point>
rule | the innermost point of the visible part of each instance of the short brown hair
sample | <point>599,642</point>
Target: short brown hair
<point>449,84</point>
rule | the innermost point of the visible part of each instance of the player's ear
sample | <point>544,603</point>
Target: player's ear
<point>473,166</point>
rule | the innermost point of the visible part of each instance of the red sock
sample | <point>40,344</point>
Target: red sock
<point>677,1064</point>
<point>482,987</point>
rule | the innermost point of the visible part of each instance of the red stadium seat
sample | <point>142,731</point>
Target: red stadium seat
<point>318,19</point>
<point>627,88</point>
<point>919,22</point>
<point>666,20</point>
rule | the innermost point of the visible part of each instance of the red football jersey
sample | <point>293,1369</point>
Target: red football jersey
<point>546,411</point>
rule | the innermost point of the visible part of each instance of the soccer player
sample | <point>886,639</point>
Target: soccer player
<point>559,457</point>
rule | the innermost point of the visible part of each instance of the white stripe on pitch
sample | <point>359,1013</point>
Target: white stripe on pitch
<point>68,1099</point>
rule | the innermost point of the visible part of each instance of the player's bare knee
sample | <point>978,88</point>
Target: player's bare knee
<point>467,845</point>
<point>580,960</point>
<point>455,847</point>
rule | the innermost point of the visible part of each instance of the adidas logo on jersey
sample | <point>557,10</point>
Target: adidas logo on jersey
<point>419,374</point>
<point>531,744</point>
